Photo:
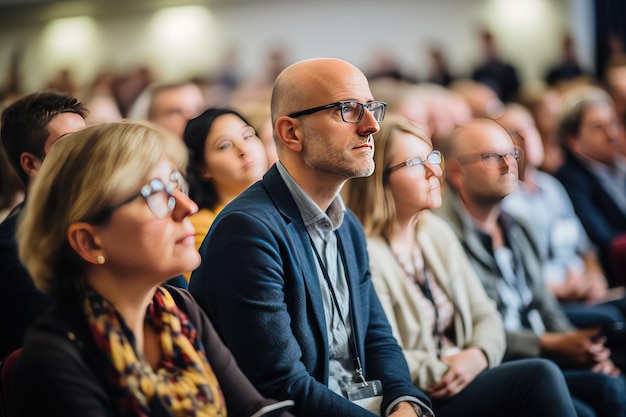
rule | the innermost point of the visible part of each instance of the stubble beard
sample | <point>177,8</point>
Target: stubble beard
<point>324,159</point>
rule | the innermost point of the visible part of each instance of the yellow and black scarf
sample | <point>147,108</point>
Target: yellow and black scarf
<point>184,382</point>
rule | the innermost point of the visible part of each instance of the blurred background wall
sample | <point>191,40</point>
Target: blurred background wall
<point>181,39</point>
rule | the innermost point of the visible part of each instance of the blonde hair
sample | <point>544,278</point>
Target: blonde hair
<point>368,197</point>
<point>83,175</point>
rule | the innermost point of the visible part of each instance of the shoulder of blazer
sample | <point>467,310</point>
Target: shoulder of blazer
<point>277,191</point>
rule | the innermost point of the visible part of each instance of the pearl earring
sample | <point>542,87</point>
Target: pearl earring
<point>101,259</point>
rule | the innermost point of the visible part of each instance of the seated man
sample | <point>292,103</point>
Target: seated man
<point>482,169</point>
<point>594,174</point>
<point>29,127</point>
<point>571,268</point>
<point>169,105</point>
<point>285,274</point>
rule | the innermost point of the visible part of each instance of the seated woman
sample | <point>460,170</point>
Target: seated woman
<point>225,157</point>
<point>449,330</point>
<point>106,222</point>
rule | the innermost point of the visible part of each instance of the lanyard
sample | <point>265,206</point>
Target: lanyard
<point>425,288</point>
<point>355,353</point>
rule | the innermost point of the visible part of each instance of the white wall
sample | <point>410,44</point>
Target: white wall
<point>528,32</point>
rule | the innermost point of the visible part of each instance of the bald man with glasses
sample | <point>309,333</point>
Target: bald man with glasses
<point>285,273</point>
<point>481,169</point>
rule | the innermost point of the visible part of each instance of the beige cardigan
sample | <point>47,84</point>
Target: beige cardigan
<point>476,319</point>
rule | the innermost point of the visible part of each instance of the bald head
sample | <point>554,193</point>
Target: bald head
<point>469,137</point>
<point>312,83</point>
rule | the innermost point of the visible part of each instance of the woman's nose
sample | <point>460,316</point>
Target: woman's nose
<point>184,207</point>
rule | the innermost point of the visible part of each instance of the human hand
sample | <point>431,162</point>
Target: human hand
<point>575,348</point>
<point>598,286</point>
<point>606,367</point>
<point>575,287</point>
<point>463,368</point>
<point>404,409</point>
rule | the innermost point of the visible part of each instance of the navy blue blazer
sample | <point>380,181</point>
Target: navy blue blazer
<point>601,217</point>
<point>20,300</point>
<point>258,282</point>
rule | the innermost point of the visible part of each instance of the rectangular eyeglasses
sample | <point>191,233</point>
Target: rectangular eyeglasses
<point>351,110</point>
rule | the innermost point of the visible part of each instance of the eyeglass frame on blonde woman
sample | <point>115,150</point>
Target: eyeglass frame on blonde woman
<point>434,158</point>
<point>154,187</point>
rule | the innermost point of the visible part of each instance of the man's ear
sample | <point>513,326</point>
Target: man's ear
<point>84,240</point>
<point>30,164</point>
<point>571,143</point>
<point>287,130</point>
<point>454,173</point>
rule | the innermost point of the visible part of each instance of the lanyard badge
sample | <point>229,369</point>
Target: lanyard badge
<point>368,395</point>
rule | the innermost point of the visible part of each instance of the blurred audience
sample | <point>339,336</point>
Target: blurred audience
<point>450,332</point>
<point>383,64</point>
<point>100,101</point>
<point>481,98</point>
<point>169,105</point>
<point>568,67</point>
<point>438,70</point>
<point>570,264</point>
<point>128,87</point>
<point>594,174</point>
<point>545,106</point>
<point>11,187</point>
<point>481,170</point>
<point>494,71</point>
<point>615,80</point>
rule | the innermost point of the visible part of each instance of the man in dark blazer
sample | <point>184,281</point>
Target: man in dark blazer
<point>594,174</point>
<point>285,273</point>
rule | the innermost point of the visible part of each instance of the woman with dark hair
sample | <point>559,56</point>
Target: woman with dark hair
<point>225,157</point>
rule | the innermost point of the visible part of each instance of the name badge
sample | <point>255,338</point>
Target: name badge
<point>367,395</point>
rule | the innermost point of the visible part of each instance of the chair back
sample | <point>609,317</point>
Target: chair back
<point>6,377</point>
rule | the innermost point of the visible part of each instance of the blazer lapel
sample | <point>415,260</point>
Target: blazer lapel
<point>283,200</point>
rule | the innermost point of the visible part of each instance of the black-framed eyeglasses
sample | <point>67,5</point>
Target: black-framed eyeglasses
<point>351,110</point>
<point>491,159</point>
<point>158,195</point>
<point>434,158</point>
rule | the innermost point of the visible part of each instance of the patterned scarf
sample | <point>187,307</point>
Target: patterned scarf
<point>183,383</point>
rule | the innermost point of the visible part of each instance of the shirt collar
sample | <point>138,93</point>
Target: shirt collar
<point>311,213</point>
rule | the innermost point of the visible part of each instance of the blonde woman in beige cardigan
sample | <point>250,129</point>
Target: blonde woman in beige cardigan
<point>450,331</point>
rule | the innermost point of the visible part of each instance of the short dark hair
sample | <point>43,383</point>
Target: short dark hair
<point>24,124</point>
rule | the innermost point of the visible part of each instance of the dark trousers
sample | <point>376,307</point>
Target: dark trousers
<point>605,395</point>
<point>609,318</point>
<point>526,387</point>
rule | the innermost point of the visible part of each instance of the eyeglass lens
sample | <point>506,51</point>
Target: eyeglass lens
<point>159,196</point>
<point>433,158</point>
<point>493,160</point>
<point>352,111</point>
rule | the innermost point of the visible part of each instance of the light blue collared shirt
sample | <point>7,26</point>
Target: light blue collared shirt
<point>321,227</point>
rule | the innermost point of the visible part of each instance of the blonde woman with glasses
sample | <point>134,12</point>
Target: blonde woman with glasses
<point>106,222</point>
